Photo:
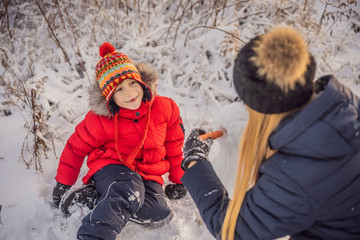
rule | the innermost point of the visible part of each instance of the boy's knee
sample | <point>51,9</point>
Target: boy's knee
<point>131,192</point>
<point>135,199</point>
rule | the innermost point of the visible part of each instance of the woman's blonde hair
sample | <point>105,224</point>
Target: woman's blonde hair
<point>254,149</point>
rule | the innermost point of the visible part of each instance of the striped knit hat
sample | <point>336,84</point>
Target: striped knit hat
<point>112,69</point>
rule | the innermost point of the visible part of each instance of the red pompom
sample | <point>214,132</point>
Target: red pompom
<point>105,49</point>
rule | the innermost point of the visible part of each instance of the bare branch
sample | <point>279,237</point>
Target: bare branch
<point>187,35</point>
<point>53,33</point>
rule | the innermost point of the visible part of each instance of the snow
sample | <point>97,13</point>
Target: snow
<point>196,74</point>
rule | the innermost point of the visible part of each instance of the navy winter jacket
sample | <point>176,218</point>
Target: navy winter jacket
<point>309,189</point>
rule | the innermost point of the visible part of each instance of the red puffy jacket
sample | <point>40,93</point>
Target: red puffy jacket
<point>95,137</point>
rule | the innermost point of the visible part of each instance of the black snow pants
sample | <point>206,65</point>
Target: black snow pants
<point>123,194</point>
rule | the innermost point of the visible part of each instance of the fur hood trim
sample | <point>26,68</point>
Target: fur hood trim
<point>97,101</point>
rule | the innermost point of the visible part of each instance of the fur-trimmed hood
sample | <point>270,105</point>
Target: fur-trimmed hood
<point>97,101</point>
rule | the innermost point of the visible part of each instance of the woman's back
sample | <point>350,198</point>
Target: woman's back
<point>310,187</point>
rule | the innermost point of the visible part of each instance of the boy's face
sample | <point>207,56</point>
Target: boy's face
<point>128,94</point>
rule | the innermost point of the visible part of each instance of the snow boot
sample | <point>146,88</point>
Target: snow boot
<point>86,195</point>
<point>149,224</point>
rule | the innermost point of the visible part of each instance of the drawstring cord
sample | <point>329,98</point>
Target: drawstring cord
<point>129,161</point>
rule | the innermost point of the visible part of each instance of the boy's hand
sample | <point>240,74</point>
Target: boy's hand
<point>196,149</point>
<point>58,192</point>
<point>175,191</point>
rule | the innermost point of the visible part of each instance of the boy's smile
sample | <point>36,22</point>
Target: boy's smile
<point>132,100</point>
<point>128,94</point>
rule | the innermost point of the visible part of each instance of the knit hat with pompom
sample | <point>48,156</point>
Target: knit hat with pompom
<point>274,72</point>
<point>112,69</point>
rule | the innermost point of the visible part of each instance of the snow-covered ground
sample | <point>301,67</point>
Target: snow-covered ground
<point>195,65</point>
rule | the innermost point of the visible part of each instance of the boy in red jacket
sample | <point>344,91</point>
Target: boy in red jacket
<point>131,139</point>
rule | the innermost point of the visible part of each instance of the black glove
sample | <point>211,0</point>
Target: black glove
<point>58,192</point>
<point>175,191</point>
<point>195,149</point>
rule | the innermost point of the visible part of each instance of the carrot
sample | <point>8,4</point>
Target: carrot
<point>213,135</point>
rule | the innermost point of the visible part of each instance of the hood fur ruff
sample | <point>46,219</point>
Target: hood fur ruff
<point>97,101</point>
